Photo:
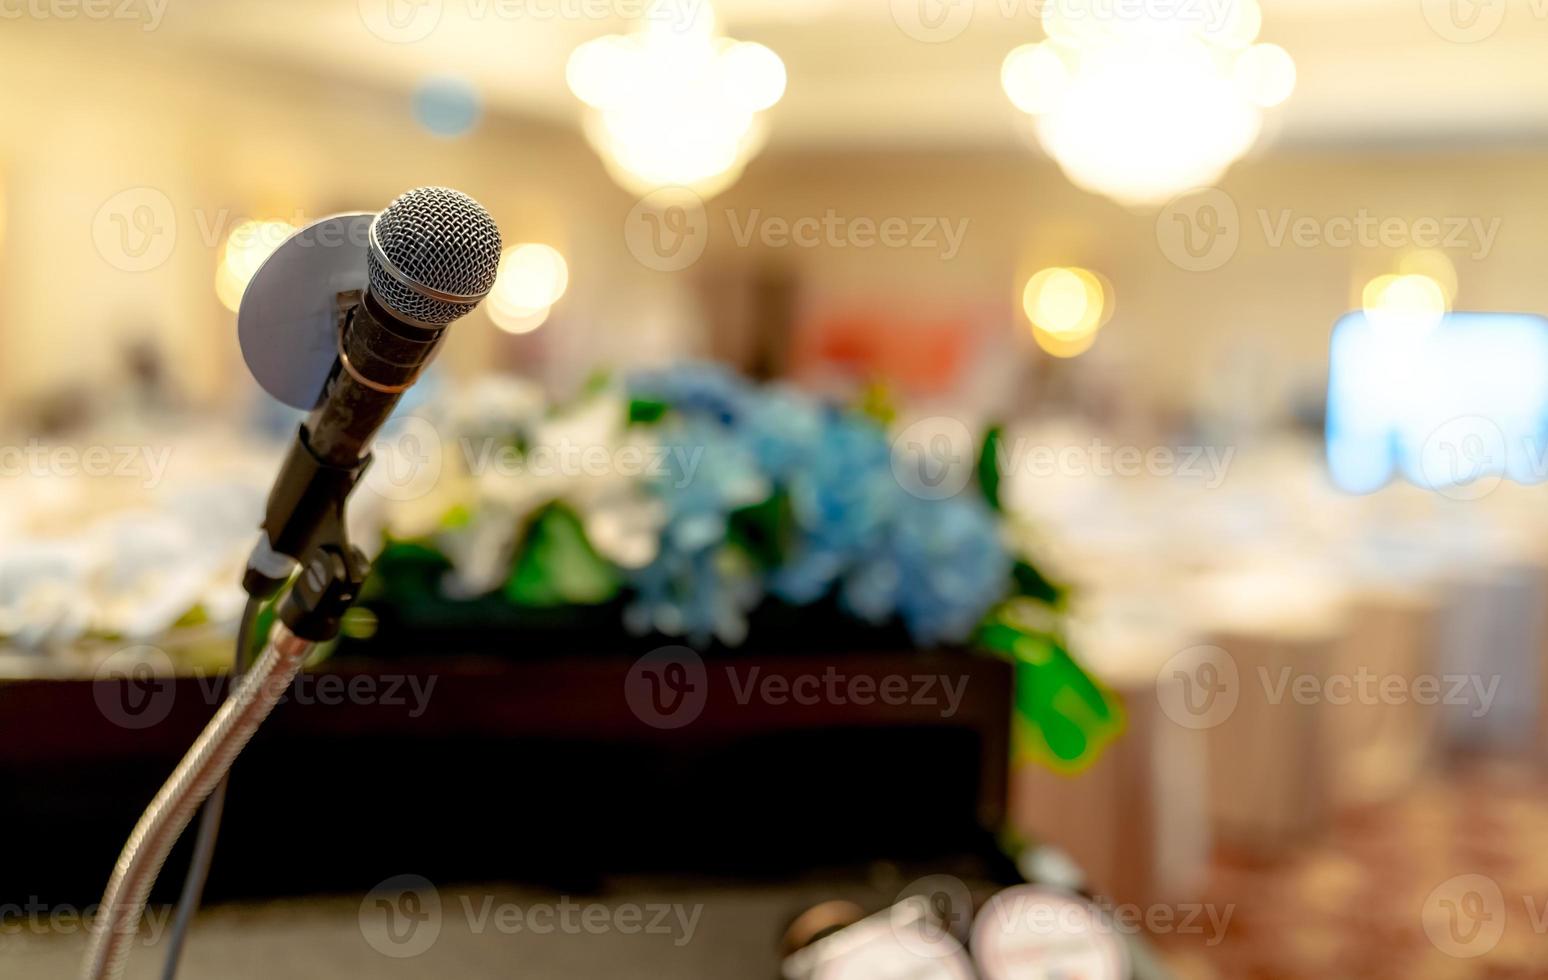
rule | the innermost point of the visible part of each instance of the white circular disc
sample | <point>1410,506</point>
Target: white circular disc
<point>288,321</point>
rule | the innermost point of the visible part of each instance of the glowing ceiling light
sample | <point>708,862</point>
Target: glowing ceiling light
<point>1066,308</point>
<point>674,104</point>
<point>1062,347</point>
<point>1064,302</point>
<point>1265,74</point>
<point>1404,305</point>
<point>531,279</point>
<point>1140,105</point>
<point>246,248</point>
<point>518,321</point>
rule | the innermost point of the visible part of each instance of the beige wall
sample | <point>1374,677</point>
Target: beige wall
<point>227,139</point>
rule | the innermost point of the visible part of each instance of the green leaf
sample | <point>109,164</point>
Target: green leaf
<point>1033,584</point>
<point>763,531</point>
<point>989,466</point>
<point>1064,718</point>
<point>556,565</point>
<point>646,410</point>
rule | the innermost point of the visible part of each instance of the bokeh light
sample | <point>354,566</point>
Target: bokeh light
<point>1142,107</point>
<point>532,278</point>
<point>447,106</point>
<point>1068,303</point>
<point>674,104</point>
<point>1404,304</point>
<point>1035,77</point>
<point>517,321</point>
<point>1265,73</point>
<point>1063,347</point>
<point>246,248</point>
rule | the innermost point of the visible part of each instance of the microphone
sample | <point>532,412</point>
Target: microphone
<point>432,256</point>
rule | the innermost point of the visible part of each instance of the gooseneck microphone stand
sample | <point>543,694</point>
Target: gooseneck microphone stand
<point>432,256</point>
<point>310,614</point>
<point>305,518</point>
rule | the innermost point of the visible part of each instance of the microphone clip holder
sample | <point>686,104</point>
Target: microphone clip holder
<point>304,522</point>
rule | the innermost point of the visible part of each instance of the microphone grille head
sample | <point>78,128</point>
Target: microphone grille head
<point>434,254</point>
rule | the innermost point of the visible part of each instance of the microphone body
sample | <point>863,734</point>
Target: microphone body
<point>433,256</point>
<point>380,357</point>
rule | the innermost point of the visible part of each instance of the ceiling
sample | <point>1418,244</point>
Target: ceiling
<point>1371,71</point>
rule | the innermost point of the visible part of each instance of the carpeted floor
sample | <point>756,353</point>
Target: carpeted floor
<point>1449,883</point>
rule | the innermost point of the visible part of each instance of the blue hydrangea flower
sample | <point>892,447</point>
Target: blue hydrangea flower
<point>938,565</point>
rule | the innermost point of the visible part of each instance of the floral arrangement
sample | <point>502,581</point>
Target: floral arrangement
<point>690,498</point>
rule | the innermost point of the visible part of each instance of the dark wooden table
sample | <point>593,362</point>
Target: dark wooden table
<point>545,770</point>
